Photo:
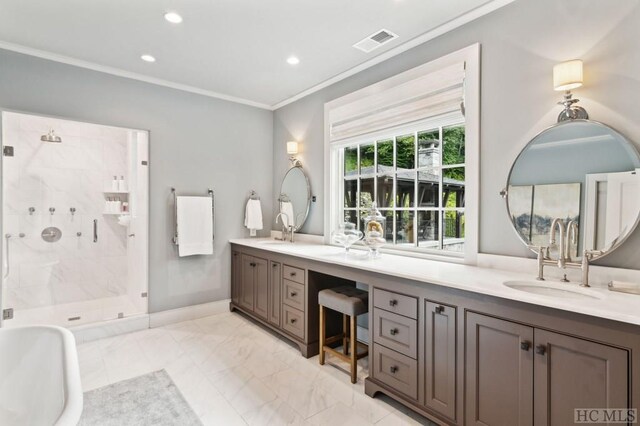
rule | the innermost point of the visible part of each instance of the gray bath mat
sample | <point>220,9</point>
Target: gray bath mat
<point>152,399</point>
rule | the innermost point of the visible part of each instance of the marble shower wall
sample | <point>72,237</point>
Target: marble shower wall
<point>73,173</point>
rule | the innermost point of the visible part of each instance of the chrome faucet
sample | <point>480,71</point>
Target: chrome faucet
<point>557,224</point>
<point>287,228</point>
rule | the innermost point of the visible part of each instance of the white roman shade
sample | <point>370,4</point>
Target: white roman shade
<point>430,95</point>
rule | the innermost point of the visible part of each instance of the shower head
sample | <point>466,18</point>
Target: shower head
<point>51,137</point>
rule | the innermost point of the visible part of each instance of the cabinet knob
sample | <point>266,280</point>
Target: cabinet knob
<point>294,294</point>
<point>393,369</point>
<point>393,302</point>
<point>393,331</point>
<point>525,345</point>
<point>274,265</point>
<point>293,274</point>
<point>541,349</point>
<point>252,264</point>
<point>439,309</point>
<point>293,320</point>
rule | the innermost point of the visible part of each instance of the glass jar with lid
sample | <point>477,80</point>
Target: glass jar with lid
<point>374,226</point>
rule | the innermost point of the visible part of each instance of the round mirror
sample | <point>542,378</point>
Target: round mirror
<point>586,175</point>
<point>295,197</point>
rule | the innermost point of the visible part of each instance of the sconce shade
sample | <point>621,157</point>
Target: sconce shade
<point>567,75</point>
<point>292,147</point>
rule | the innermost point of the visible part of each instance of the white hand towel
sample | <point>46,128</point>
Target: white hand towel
<point>253,216</point>
<point>286,208</point>
<point>195,226</point>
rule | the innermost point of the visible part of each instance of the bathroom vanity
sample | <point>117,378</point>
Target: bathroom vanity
<point>451,341</point>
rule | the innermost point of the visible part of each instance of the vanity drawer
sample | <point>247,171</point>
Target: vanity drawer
<point>396,332</point>
<point>293,321</point>
<point>293,294</point>
<point>398,303</point>
<point>293,274</point>
<point>395,370</point>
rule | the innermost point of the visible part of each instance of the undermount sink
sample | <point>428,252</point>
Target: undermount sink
<point>552,289</point>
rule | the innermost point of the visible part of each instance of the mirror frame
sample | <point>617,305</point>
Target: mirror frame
<point>505,191</point>
<point>297,226</point>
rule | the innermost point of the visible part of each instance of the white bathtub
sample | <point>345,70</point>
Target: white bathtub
<point>39,377</point>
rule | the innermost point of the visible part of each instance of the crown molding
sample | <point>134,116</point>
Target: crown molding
<point>128,74</point>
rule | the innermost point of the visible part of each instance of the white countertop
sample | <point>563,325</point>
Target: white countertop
<point>604,304</point>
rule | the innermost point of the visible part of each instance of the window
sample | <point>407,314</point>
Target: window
<point>418,182</point>
<point>410,144</point>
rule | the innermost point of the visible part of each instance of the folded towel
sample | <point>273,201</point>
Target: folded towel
<point>195,227</point>
<point>253,216</point>
<point>286,208</point>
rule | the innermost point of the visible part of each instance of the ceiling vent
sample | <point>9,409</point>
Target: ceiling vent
<point>375,40</point>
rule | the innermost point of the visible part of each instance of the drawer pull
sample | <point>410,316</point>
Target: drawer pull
<point>252,264</point>
<point>293,274</point>
<point>393,331</point>
<point>393,369</point>
<point>293,320</point>
<point>439,309</point>
<point>541,349</point>
<point>294,294</point>
<point>274,265</point>
<point>393,302</point>
<point>525,345</point>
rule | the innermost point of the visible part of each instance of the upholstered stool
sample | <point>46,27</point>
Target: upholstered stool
<point>350,302</point>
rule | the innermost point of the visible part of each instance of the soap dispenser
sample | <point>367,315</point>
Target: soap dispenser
<point>114,183</point>
<point>122,187</point>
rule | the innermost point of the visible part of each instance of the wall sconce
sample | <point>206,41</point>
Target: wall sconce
<point>292,150</point>
<point>566,76</point>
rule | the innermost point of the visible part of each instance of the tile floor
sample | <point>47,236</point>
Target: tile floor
<point>234,372</point>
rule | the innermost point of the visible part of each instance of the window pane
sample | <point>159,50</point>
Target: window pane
<point>351,216</point>
<point>385,191</point>
<point>453,187</point>
<point>429,148</point>
<point>429,188</point>
<point>367,158</point>
<point>388,225</point>
<point>404,228</point>
<point>405,152</point>
<point>350,161</point>
<point>350,192</point>
<point>385,156</point>
<point>453,231</point>
<point>366,192</point>
<point>428,229</point>
<point>453,149</point>
<point>405,185</point>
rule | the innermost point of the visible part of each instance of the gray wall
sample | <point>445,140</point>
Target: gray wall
<point>196,142</point>
<point>520,44</point>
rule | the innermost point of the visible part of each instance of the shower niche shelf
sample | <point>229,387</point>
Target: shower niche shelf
<point>116,192</point>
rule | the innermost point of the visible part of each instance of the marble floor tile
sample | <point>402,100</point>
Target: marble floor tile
<point>232,371</point>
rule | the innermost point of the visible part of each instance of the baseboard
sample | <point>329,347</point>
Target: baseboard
<point>89,332</point>
<point>171,316</point>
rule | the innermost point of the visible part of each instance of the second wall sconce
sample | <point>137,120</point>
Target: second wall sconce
<point>292,150</point>
<point>566,76</point>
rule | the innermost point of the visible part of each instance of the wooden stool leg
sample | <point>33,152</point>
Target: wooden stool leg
<point>345,332</point>
<point>322,334</point>
<point>354,350</point>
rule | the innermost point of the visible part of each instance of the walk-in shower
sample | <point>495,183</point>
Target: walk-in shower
<point>74,221</point>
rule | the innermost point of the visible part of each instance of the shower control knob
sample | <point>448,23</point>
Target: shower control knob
<point>52,210</point>
<point>79,234</point>
<point>132,235</point>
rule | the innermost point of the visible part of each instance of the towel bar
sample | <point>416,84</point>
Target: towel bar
<point>175,214</point>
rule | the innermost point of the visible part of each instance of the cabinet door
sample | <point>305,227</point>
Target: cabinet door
<point>275,284</point>
<point>440,358</point>
<point>236,276</point>
<point>246,295</point>
<point>261,286</point>
<point>499,372</point>
<point>573,373</point>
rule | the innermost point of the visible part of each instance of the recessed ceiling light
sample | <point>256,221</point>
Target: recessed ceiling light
<point>173,17</point>
<point>148,58</point>
<point>292,60</point>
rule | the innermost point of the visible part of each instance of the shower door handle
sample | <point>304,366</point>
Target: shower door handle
<point>95,230</point>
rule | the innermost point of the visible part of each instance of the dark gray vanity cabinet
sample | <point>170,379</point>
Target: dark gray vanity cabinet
<point>236,275</point>
<point>499,372</point>
<point>254,281</point>
<point>440,357</point>
<point>517,374</point>
<point>275,286</point>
